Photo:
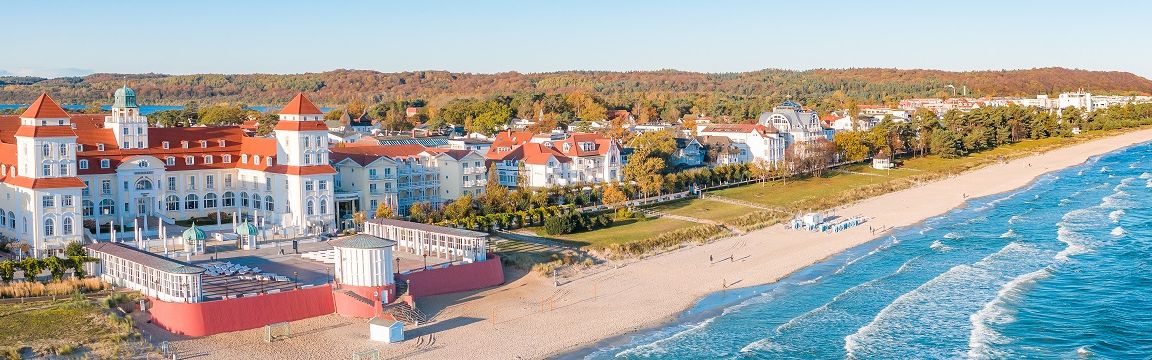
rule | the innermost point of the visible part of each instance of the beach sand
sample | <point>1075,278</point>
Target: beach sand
<point>532,318</point>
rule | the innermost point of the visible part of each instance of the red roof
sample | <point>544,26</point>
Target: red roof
<point>301,170</point>
<point>45,131</point>
<point>300,105</point>
<point>740,128</point>
<point>600,144</point>
<point>538,154</point>
<point>48,183</point>
<point>44,108</point>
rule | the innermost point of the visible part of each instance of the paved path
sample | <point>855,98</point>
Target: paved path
<point>741,203</point>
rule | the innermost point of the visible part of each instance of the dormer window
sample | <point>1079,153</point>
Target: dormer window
<point>567,147</point>
<point>222,143</point>
<point>170,161</point>
<point>184,144</point>
<point>79,147</point>
<point>243,158</point>
<point>188,160</point>
<point>99,147</point>
<point>227,158</point>
<point>105,163</point>
<point>207,159</point>
<point>203,143</point>
<point>166,145</point>
<point>256,159</point>
<point>83,164</point>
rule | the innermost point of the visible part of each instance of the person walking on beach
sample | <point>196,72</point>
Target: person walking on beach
<point>709,258</point>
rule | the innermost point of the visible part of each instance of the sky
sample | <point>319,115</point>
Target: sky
<point>68,38</point>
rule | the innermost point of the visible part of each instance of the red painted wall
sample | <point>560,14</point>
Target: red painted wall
<point>348,306</point>
<point>214,317</point>
<point>456,278</point>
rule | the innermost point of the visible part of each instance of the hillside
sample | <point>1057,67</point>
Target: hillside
<point>616,88</point>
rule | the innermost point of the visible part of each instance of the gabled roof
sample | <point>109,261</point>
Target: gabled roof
<point>538,154</point>
<point>454,153</point>
<point>300,105</point>
<point>740,128</point>
<point>600,144</point>
<point>364,155</point>
<point>44,108</point>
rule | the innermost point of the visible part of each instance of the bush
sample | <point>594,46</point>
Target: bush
<point>668,240</point>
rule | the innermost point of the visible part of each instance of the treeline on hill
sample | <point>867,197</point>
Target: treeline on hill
<point>651,95</point>
<point>958,133</point>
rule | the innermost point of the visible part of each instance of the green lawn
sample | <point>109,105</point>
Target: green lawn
<point>624,231</point>
<point>705,209</point>
<point>781,195</point>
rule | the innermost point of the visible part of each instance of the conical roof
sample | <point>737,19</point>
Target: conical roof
<point>125,97</point>
<point>44,108</point>
<point>300,105</point>
<point>193,234</point>
<point>246,229</point>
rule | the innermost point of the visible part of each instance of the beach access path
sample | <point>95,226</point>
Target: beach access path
<point>532,318</point>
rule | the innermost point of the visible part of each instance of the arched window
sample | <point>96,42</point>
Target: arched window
<point>229,199</point>
<point>63,150</point>
<point>191,202</point>
<point>309,208</point>
<point>11,220</point>
<point>107,207</point>
<point>49,227</point>
<point>3,217</point>
<point>189,160</point>
<point>83,164</point>
<point>143,184</point>
<point>226,157</point>
<point>256,159</point>
<point>87,205</point>
<point>47,150</point>
<point>255,201</point>
<point>323,206</point>
<point>170,161</point>
<point>67,227</point>
<point>269,204</point>
<point>243,158</point>
<point>207,159</point>
<point>105,163</point>
<point>172,202</point>
<point>209,201</point>
<point>244,199</point>
<point>318,140</point>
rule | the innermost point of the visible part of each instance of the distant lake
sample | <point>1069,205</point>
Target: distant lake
<point>145,109</point>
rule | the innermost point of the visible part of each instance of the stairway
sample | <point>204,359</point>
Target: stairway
<point>405,314</point>
<point>359,298</point>
<point>401,287</point>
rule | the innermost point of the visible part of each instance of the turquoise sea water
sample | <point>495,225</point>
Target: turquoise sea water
<point>1059,269</point>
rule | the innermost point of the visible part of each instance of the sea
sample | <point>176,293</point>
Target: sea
<point>1059,269</point>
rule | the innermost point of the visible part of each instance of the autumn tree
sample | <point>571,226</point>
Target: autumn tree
<point>383,211</point>
<point>612,196</point>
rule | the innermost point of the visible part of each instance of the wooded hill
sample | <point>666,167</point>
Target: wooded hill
<point>617,89</point>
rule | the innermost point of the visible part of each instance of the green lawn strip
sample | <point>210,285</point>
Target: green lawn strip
<point>705,209</point>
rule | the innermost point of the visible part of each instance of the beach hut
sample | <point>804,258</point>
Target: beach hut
<point>194,240</point>
<point>247,235</point>
<point>386,330</point>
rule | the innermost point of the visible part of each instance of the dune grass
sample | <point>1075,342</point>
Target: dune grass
<point>705,209</point>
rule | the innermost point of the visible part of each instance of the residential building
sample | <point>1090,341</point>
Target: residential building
<point>545,160</point>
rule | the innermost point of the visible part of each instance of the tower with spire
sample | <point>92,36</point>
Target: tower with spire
<point>130,127</point>
<point>46,177</point>
<point>302,163</point>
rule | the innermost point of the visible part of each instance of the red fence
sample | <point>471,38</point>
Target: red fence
<point>214,317</point>
<point>456,278</point>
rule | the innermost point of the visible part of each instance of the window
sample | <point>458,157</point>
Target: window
<point>47,150</point>
<point>86,205</point>
<point>99,147</point>
<point>244,199</point>
<point>243,158</point>
<point>139,144</point>
<point>63,150</point>
<point>374,204</point>
<point>256,201</point>
<point>83,164</point>
<point>323,184</point>
<point>11,220</point>
<point>188,160</point>
<point>49,227</point>
<point>170,161</point>
<point>85,192</point>
<point>49,201</point>
<point>191,202</point>
<point>66,200</point>
<point>267,184</point>
<point>203,143</point>
<point>372,188</point>
<point>227,158</point>
<point>46,170</point>
<point>210,181</point>
<point>269,204</point>
<point>67,228</point>
<point>371,173</point>
<point>192,182</point>
<point>227,180</point>
<point>308,185</point>
<point>140,131</point>
<point>106,187</point>
<point>207,159</point>
<point>309,209</point>
<point>209,201</point>
<point>323,206</point>
<point>229,199</point>
<point>171,183</point>
<point>105,163</point>
<point>256,159</point>
<point>143,184</point>
<point>126,145</point>
<point>63,169</point>
<point>221,142</point>
<point>79,148</point>
<point>125,186</point>
<point>165,145</point>
<point>125,131</point>
<point>173,202</point>
<point>184,144</point>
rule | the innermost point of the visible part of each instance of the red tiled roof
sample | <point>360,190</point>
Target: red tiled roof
<point>538,154</point>
<point>600,148</point>
<point>740,128</point>
<point>301,170</point>
<point>45,131</point>
<point>49,183</point>
<point>288,125</point>
<point>300,105</point>
<point>44,108</point>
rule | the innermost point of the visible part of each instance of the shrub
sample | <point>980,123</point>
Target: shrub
<point>559,225</point>
<point>668,240</point>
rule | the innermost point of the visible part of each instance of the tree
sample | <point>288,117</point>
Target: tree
<point>761,169</point>
<point>56,267</point>
<point>7,271</point>
<point>612,196</point>
<point>31,267</point>
<point>75,248</point>
<point>383,211</point>
<point>459,208</point>
<point>852,144</point>
<point>359,218</point>
<point>419,212</point>
<point>223,114</point>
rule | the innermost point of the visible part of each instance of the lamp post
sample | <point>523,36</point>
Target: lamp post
<point>397,270</point>
<point>296,278</point>
<point>425,261</point>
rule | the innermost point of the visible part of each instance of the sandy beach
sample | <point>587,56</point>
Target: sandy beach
<point>532,318</point>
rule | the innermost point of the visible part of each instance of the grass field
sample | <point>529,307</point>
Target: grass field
<point>705,209</point>
<point>623,231</point>
<point>61,327</point>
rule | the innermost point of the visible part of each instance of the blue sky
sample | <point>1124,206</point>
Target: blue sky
<point>55,38</point>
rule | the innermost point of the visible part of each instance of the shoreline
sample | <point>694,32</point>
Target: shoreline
<point>530,317</point>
